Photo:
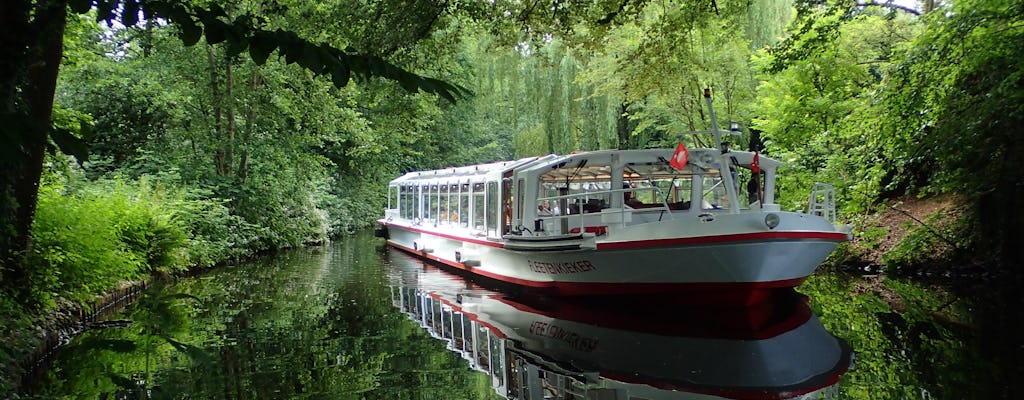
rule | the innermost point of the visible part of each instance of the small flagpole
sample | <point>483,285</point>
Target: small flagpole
<point>760,190</point>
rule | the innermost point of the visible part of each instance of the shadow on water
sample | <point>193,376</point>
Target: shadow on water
<point>355,320</point>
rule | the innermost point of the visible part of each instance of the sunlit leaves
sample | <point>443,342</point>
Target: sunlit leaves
<point>242,33</point>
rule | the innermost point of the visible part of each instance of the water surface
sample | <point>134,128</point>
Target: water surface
<point>350,321</point>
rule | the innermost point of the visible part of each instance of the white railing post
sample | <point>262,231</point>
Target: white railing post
<point>823,201</point>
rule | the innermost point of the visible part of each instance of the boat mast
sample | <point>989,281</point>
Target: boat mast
<point>725,165</point>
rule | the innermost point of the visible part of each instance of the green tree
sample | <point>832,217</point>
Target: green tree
<point>953,115</point>
<point>33,40</point>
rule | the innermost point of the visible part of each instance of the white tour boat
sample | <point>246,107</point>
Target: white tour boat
<point>617,222</point>
<point>777,349</point>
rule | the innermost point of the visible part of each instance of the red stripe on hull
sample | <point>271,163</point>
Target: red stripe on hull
<point>445,235</point>
<point>663,316</point>
<point>719,239</point>
<point>636,244</point>
<point>718,293</point>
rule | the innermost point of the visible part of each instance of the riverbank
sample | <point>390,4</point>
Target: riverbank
<point>879,237</point>
<point>909,236</point>
<point>29,336</point>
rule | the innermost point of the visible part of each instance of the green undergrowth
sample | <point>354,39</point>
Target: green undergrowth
<point>942,239</point>
<point>925,237</point>
<point>90,237</point>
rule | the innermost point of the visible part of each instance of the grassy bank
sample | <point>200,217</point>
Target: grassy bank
<point>94,238</point>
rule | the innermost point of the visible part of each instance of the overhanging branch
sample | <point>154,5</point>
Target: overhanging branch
<point>890,4</point>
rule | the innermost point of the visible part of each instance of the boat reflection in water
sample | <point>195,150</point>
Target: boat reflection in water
<point>645,349</point>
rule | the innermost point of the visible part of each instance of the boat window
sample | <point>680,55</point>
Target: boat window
<point>417,201</point>
<point>659,190</point>
<point>453,204</point>
<point>406,203</point>
<point>589,186</point>
<point>430,202</point>
<point>483,353</point>
<point>442,208</point>
<point>520,194</point>
<point>497,364</point>
<point>464,205</point>
<point>681,195</point>
<point>506,201</point>
<point>493,208</point>
<point>479,206</point>
<point>401,201</point>
<point>467,333</point>
<point>714,196</point>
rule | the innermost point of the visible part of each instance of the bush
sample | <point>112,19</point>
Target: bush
<point>77,250</point>
<point>215,234</point>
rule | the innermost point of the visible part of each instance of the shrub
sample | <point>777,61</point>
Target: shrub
<point>89,236</point>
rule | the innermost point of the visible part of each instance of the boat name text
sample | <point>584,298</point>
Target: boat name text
<point>573,267</point>
<point>573,339</point>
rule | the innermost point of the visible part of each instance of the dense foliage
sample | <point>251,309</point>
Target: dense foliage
<point>194,132</point>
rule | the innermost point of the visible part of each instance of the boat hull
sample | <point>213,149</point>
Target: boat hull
<point>727,268</point>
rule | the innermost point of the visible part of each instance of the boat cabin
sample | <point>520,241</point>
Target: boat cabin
<point>559,195</point>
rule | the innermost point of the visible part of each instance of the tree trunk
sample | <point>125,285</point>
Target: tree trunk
<point>622,128</point>
<point>28,104</point>
<point>229,105</point>
<point>218,113</point>
<point>250,124</point>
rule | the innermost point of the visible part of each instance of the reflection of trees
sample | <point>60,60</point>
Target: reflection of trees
<point>912,340</point>
<point>311,323</point>
<point>122,361</point>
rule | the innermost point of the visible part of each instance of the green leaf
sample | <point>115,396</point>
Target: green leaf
<point>311,58</point>
<point>340,75</point>
<point>115,345</point>
<point>80,6</point>
<point>130,15</point>
<point>190,32</point>
<point>69,144</point>
<point>105,11</point>
<point>194,352</point>
<point>217,11</point>
<point>260,47</point>
<point>236,42</point>
<point>216,31</point>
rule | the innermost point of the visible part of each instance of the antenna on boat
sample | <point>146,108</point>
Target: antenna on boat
<point>725,166</point>
<point>715,130</point>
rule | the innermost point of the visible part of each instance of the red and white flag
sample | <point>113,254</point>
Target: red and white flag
<point>754,166</point>
<point>679,157</point>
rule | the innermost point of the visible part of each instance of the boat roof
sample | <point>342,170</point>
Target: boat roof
<point>588,165</point>
<point>464,173</point>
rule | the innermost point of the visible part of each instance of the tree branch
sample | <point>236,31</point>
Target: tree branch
<point>890,4</point>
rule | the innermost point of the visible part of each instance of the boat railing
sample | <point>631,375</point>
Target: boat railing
<point>621,211</point>
<point>823,201</point>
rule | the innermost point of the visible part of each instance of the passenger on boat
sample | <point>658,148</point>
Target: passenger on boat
<point>546,209</point>
<point>630,200</point>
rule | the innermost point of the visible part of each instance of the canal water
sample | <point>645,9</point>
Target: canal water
<point>355,320</point>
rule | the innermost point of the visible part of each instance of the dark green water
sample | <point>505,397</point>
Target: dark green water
<point>324,324</point>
